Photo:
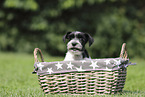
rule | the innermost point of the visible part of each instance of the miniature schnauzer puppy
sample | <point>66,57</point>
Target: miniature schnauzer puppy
<point>76,45</point>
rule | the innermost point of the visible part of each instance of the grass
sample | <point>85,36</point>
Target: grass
<point>16,79</point>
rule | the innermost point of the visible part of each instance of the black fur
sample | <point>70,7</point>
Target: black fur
<point>83,35</point>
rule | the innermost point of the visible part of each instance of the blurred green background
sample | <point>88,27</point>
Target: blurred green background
<point>27,24</point>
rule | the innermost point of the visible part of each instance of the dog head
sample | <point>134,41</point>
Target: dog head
<point>76,41</point>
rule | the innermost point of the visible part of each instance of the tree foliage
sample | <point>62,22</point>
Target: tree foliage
<point>26,24</point>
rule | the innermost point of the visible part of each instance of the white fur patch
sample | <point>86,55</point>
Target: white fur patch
<point>71,57</point>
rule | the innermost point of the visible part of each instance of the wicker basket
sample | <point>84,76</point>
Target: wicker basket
<point>90,82</point>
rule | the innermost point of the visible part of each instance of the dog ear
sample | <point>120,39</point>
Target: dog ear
<point>66,36</point>
<point>89,38</point>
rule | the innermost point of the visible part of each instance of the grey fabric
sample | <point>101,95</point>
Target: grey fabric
<point>108,64</point>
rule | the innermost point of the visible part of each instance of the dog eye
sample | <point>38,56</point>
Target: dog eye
<point>82,39</point>
<point>71,36</point>
<point>79,36</point>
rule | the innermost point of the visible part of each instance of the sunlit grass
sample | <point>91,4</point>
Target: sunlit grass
<point>136,76</point>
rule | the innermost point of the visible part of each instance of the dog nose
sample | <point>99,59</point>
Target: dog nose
<point>74,44</point>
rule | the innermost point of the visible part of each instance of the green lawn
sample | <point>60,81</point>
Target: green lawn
<point>16,79</point>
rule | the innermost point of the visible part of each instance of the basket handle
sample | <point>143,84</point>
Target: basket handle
<point>123,53</point>
<point>35,55</point>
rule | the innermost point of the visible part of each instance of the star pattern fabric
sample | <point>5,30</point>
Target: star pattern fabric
<point>59,65</point>
<point>40,66</point>
<point>80,66</point>
<point>107,62</point>
<point>69,65</point>
<point>118,62</point>
<point>49,70</point>
<point>94,65</point>
<point>83,61</point>
<point>80,69</point>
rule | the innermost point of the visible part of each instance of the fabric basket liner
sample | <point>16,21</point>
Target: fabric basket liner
<point>108,64</point>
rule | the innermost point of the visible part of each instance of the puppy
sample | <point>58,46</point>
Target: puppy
<point>76,45</point>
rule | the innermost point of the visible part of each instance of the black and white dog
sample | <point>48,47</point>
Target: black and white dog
<point>76,45</point>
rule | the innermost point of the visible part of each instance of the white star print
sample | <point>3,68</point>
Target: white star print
<point>59,65</point>
<point>49,70</point>
<point>107,62</point>
<point>107,68</point>
<point>69,65</point>
<point>80,69</point>
<point>118,62</point>
<point>40,66</point>
<point>94,64</point>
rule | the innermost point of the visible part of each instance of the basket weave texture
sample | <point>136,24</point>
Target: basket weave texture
<point>90,82</point>
<point>95,82</point>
